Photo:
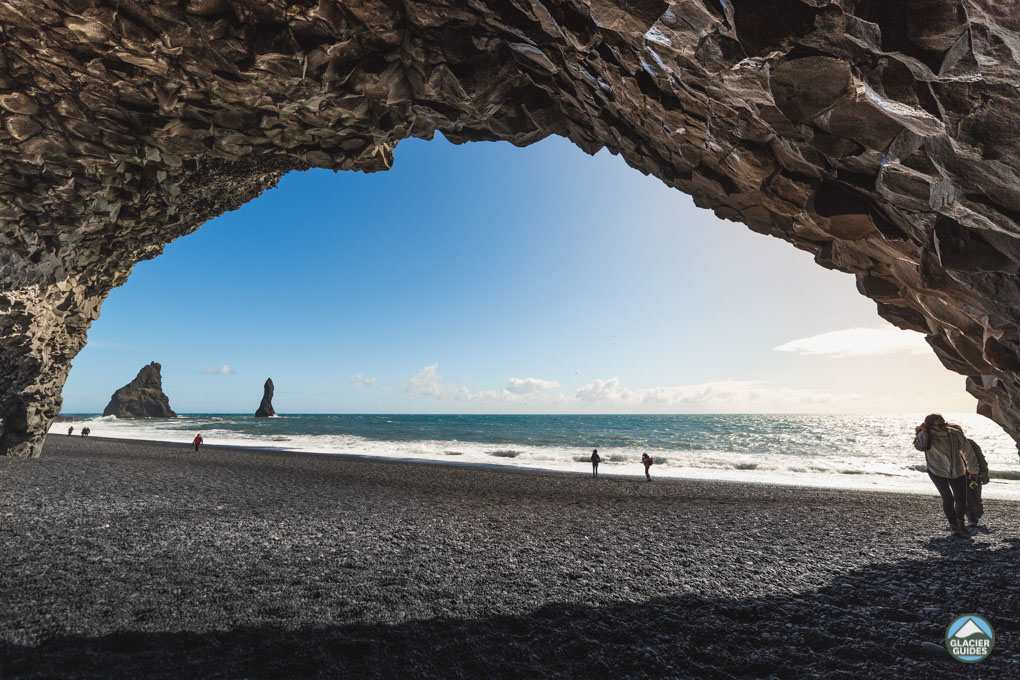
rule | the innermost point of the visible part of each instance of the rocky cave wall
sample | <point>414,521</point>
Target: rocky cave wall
<point>879,135</point>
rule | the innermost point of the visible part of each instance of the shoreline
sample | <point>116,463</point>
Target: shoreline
<point>147,560</point>
<point>1006,489</point>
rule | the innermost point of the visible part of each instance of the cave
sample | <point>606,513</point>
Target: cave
<point>880,137</point>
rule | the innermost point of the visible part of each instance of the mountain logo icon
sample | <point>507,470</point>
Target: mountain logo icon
<point>970,638</point>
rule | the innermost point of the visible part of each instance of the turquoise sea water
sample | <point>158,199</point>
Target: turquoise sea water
<point>815,449</point>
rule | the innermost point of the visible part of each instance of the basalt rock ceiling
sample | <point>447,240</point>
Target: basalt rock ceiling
<point>879,135</point>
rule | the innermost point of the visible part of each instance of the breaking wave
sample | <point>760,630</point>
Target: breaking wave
<point>836,451</point>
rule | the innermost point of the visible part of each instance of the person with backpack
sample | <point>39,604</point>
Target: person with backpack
<point>595,460</point>
<point>197,441</point>
<point>949,460</point>
<point>646,460</point>
<point>975,507</point>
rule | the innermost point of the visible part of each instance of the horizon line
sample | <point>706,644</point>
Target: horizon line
<point>550,413</point>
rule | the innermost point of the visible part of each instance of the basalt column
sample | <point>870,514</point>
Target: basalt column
<point>878,136</point>
<point>265,409</point>
<point>42,327</point>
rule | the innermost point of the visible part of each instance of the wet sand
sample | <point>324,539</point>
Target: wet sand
<point>127,559</point>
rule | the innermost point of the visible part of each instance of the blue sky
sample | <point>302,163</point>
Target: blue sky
<point>487,278</point>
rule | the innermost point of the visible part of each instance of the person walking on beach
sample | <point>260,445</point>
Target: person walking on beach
<point>85,431</point>
<point>70,431</point>
<point>595,460</point>
<point>975,507</point>
<point>197,441</point>
<point>646,460</point>
<point>949,459</point>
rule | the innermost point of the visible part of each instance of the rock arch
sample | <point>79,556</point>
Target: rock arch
<point>880,136</point>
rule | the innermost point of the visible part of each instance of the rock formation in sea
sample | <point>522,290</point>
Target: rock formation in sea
<point>265,409</point>
<point>879,136</point>
<point>142,397</point>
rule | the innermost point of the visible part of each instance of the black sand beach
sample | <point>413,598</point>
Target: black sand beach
<point>123,559</point>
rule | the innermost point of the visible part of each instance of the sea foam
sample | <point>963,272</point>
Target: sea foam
<point>830,451</point>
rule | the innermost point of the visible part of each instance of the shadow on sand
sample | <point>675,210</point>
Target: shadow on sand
<point>887,620</point>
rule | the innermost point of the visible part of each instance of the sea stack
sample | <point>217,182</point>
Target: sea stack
<point>266,407</point>
<point>142,397</point>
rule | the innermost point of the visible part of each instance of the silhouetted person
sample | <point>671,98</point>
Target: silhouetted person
<point>197,441</point>
<point>85,431</point>
<point>975,506</point>
<point>949,459</point>
<point>646,460</point>
<point>595,460</point>
<point>70,431</point>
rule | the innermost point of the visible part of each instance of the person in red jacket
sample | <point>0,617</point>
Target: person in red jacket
<point>197,441</point>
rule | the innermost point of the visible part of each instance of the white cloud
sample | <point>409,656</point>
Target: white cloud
<point>520,391</point>
<point>610,394</point>
<point>225,369</point>
<point>720,395</point>
<point>465,394</point>
<point>429,382</point>
<point>530,385</point>
<point>858,342</point>
<point>426,382</point>
<point>606,391</point>
<point>363,380</point>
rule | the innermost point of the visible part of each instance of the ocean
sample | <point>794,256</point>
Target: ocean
<point>844,451</point>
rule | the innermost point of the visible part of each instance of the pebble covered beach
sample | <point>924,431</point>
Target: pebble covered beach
<point>126,559</point>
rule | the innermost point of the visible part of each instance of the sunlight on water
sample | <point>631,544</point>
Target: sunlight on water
<point>817,450</point>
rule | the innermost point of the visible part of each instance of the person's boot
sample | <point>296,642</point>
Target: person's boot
<point>960,530</point>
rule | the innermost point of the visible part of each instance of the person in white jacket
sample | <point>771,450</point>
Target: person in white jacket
<point>950,460</point>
